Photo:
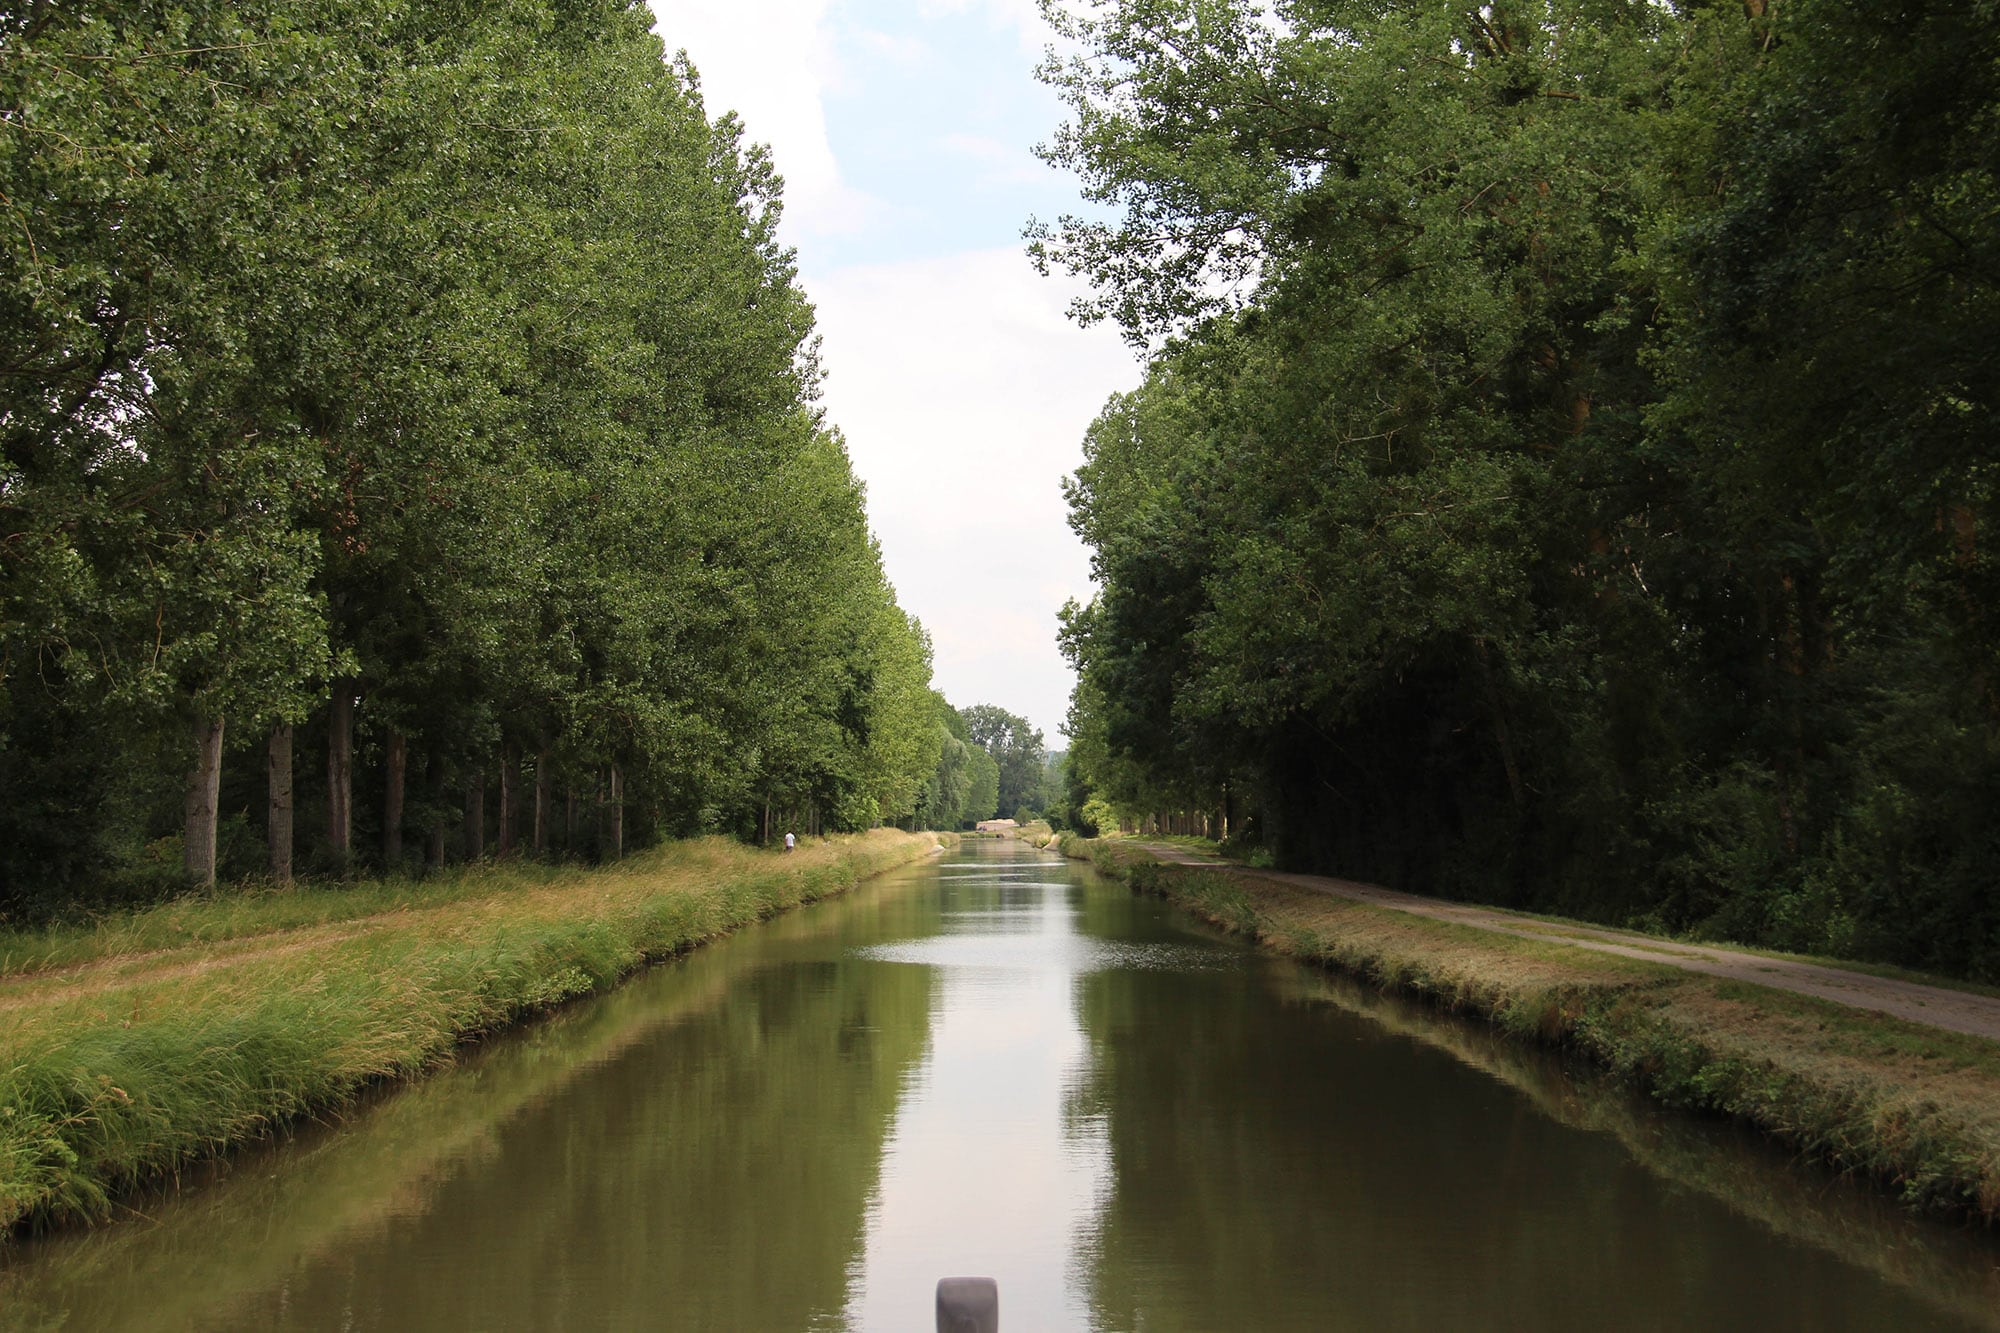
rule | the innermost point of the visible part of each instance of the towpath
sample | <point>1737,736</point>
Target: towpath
<point>1934,1006</point>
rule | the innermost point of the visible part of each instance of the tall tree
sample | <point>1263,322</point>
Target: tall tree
<point>390,384</point>
<point>1544,487</point>
<point>1016,749</point>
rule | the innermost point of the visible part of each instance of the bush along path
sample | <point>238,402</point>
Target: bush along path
<point>1890,1080</point>
<point>132,1050</point>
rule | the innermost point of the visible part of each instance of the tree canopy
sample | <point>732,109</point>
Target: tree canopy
<point>427,381</point>
<point>1560,474</point>
<point>1019,757</point>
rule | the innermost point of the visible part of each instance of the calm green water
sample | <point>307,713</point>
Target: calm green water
<point>997,1065</point>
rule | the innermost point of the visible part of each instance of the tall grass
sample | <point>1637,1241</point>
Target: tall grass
<point>135,1047</point>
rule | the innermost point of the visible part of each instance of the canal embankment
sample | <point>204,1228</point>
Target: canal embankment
<point>144,1043</point>
<point>1911,1106</point>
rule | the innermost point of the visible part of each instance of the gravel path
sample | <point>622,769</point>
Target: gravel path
<point>1934,1006</point>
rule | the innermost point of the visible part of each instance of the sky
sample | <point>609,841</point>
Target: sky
<point>904,130</point>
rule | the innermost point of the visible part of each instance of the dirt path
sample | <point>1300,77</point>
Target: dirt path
<point>1934,1006</point>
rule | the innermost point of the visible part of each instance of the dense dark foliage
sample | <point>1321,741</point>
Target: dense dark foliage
<point>1564,472</point>
<point>412,396</point>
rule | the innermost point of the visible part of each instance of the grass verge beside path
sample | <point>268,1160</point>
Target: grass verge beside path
<point>1914,1108</point>
<point>132,1049</point>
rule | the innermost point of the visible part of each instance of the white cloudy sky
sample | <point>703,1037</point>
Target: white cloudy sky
<point>903,129</point>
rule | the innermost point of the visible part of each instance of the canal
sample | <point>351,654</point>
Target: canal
<point>996,1063</point>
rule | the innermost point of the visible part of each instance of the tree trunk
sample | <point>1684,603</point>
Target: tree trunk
<point>617,812</point>
<point>396,767</point>
<point>543,793</point>
<point>434,844</point>
<point>475,815</point>
<point>340,773</point>
<point>278,820</point>
<point>1503,739</point>
<point>569,816</point>
<point>510,785</point>
<point>597,813</point>
<point>204,790</point>
<point>1792,774</point>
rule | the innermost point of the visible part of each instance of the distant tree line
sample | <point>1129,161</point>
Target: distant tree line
<point>990,762</point>
<point>1565,472</point>
<point>1018,754</point>
<point>409,452</point>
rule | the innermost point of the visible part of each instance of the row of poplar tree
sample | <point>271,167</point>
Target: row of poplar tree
<point>410,445</point>
<point>1566,471</point>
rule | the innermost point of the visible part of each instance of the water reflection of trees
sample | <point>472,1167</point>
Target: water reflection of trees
<point>1304,1164</point>
<point>1957,1270</point>
<point>694,1151</point>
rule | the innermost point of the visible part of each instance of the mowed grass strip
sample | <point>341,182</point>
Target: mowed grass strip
<point>243,913</point>
<point>124,1055</point>
<point>1913,1108</point>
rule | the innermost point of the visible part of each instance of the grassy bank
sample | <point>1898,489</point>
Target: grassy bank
<point>271,1209</point>
<point>1913,1108</point>
<point>137,1046</point>
<point>1036,833</point>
